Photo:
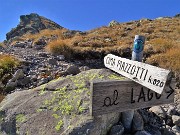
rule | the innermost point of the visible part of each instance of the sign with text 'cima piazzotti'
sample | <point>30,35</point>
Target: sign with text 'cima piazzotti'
<point>147,75</point>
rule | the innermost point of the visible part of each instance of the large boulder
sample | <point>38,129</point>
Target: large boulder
<point>61,106</point>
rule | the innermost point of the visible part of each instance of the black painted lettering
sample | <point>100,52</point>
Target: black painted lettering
<point>145,74</point>
<point>115,96</point>
<point>161,84</point>
<point>126,67</point>
<point>123,65</point>
<point>107,101</point>
<point>170,92</point>
<point>107,60</point>
<point>119,64</point>
<point>112,61</point>
<point>149,95</point>
<point>133,68</point>
<point>142,72</point>
<point>149,81</point>
<point>137,71</point>
<point>158,81</point>
<point>129,68</point>
<point>154,82</point>
<point>132,92</point>
<point>141,95</point>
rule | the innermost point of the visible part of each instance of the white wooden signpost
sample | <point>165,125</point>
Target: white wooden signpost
<point>147,75</point>
<point>147,87</point>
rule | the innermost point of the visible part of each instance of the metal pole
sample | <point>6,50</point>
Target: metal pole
<point>137,55</point>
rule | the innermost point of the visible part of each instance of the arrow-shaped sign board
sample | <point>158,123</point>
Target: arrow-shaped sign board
<point>123,95</point>
<point>147,75</point>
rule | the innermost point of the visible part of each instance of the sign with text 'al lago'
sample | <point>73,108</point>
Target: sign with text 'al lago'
<point>147,75</point>
<point>123,95</point>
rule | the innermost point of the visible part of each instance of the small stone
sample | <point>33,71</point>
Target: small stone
<point>18,75</point>
<point>169,121</point>
<point>42,81</point>
<point>42,54</point>
<point>52,61</point>
<point>176,130</point>
<point>171,111</point>
<point>38,47</point>
<point>11,86</point>
<point>152,131</point>
<point>84,68</point>
<point>24,81</point>
<point>20,44</point>
<point>159,111</point>
<point>72,70</point>
<point>176,120</point>
<point>166,131</point>
<point>33,78</point>
<point>50,78</point>
<point>117,130</point>
<point>60,57</point>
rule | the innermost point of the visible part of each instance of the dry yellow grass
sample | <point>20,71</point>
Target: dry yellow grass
<point>60,47</point>
<point>169,60</point>
<point>45,33</point>
<point>161,45</point>
<point>1,44</point>
<point>7,63</point>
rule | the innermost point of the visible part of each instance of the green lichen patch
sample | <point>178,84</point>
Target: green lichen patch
<point>59,125</point>
<point>20,118</point>
<point>115,77</point>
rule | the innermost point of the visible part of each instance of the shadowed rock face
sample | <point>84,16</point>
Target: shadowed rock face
<point>31,23</point>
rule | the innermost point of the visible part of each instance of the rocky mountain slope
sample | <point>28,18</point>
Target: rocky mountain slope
<point>49,92</point>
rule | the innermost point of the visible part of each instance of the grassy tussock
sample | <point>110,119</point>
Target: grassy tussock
<point>161,45</point>
<point>7,63</point>
<point>59,47</point>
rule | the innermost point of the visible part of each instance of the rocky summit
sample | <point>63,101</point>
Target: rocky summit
<point>32,23</point>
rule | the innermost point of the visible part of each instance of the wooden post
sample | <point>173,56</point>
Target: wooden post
<point>137,55</point>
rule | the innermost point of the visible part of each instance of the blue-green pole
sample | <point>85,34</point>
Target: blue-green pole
<point>137,55</point>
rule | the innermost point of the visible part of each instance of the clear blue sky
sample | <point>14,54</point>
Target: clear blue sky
<point>84,14</point>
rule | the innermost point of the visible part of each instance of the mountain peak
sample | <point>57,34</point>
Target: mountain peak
<point>32,23</point>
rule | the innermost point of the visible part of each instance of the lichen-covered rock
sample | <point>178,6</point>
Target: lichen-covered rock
<point>61,106</point>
